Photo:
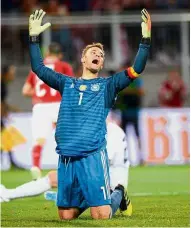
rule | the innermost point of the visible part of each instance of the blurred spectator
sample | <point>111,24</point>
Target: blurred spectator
<point>29,7</point>
<point>7,76</point>
<point>54,8</point>
<point>125,49</point>
<point>97,5</point>
<point>172,92</point>
<point>128,4</point>
<point>79,6</point>
<point>60,34</point>
<point>184,4</point>
<point>166,45</point>
<point>172,4</point>
<point>10,6</point>
<point>116,6</point>
<point>78,44</point>
<point>138,4</point>
<point>148,4</point>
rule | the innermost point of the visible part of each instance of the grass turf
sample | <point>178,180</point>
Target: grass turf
<point>164,201</point>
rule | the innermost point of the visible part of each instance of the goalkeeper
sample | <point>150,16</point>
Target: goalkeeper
<point>83,168</point>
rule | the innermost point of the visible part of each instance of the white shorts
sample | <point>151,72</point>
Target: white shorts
<point>118,155</point>
<point>119,165</point>
<point>43,117</point>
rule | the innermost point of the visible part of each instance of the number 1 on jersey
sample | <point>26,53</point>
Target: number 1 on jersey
<point>80,100</point>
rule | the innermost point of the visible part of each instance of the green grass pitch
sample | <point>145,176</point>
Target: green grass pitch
<point>160,197</point>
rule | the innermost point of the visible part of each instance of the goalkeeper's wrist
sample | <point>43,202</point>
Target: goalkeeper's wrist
<point>146,40</point>
<point>34,39</point>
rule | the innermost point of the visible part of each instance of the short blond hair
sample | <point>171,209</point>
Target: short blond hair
<point>98,45</point>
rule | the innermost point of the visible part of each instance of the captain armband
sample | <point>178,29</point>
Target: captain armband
<point>131,73</point>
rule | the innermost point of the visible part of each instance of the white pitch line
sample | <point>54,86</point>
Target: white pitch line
<point>159,193</point>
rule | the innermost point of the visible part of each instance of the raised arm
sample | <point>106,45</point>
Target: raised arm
<point>119,81</point>
<point>50,77</point>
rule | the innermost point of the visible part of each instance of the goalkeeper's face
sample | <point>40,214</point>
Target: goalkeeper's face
<point>93,59</point>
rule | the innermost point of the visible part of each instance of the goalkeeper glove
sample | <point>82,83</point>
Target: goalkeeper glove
<point>35,21</point>
<point>146,24</point>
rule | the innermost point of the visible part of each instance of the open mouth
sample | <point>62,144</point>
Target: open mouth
<point>95,61</point>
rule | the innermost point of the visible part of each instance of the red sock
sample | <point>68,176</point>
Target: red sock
<point>36,155</point>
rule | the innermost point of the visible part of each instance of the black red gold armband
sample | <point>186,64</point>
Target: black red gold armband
<point>131,73</point>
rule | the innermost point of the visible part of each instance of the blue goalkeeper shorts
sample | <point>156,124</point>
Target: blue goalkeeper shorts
<point>83,182</point>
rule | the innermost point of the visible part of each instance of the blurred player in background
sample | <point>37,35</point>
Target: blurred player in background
<point>7,76</point>
<point>117,154</point>
<point>83,168</point>
<point>172,92</point>
<point>119,172</point>
<point>130,103</point>
<point>46,103</point>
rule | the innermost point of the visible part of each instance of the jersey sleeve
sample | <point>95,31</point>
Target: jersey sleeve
<point>118,82</point>
<point>114,84</point>
<point>51,78</point>
<point>30,79</point>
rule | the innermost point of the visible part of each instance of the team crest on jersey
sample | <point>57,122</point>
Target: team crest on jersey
<point>95,87</point>
<point>83,87</point>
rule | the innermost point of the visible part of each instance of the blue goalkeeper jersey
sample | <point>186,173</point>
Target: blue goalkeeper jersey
<point>81,124</point>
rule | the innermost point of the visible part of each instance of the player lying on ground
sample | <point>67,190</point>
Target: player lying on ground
<point>119,170</point>
<point>83,167</point>
<point>46,103</point>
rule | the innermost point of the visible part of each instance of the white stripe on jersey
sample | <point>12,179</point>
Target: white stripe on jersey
<point>106,177</point>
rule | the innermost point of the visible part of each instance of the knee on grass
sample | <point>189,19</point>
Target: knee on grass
<point>68,214</point>
<point>101,212</point>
